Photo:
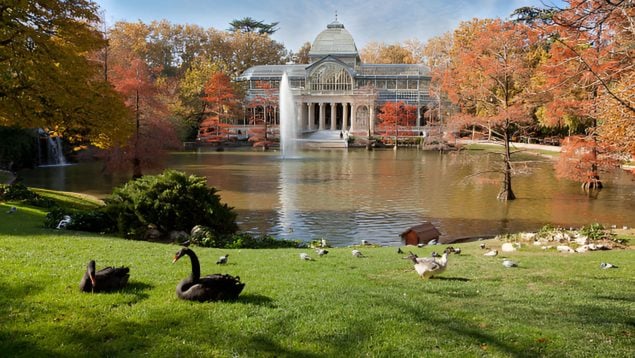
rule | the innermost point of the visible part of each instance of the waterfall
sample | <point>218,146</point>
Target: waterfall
<point>288,120</point>
<point>50,150</point>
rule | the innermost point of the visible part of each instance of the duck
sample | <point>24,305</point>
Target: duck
<point>430,267</point>
<point>321,252</point>
<point>491,253</point>
<point>509,263</point>
<point>223,260</point>
<point>357,253</point>
<point>305,256</point>
<point>215,287</point>
<point>606,265</point>
<point>105,280</point>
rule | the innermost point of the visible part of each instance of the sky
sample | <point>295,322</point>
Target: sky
<point>300,21</point>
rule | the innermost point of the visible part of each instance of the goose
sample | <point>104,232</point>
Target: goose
<point>509,263</point>
<point>305,256</point>
<point>606,265</point>
<point>321,252</point>
<point>491,253</point>
<point>429,268</point>
<point>208,288</point>
<point>105,280</point>
<point>223,260</point>
<point>357,253</point>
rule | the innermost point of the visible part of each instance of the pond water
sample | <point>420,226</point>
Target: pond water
<point>346,196</point>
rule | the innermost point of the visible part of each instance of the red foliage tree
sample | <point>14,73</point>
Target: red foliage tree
<point>581,159</point>
<point>154,134</point>
<point>488,80</point>
<point>220,95</point>
<point>396,114</point>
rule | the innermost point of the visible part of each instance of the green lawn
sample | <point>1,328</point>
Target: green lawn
<point>552,305</point>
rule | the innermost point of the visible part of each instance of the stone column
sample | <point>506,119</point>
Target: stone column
<point>344,116</point>
<point>310,108</point>
<point>333,116</point>
<point>353,111</point>
<point>371,109</point>
<point>322,116</point>
<point>418,116</point>
<point>300,116</point>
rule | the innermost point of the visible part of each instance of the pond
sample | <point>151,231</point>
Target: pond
<point>346,196</point>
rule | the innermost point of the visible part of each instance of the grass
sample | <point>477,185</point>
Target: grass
<point>498,148</point>
<point>338,305</point>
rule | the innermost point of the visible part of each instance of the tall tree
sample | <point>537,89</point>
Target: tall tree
<point>48,80</point>
<point>590,54</point>
<point>153,132</point>
<point>488,80</point>
<point>383,53</point>
<point>302,56</point>
<point>248,24</point>
<point>219,94</point>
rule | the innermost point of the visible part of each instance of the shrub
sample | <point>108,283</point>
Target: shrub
<point>89,220</point>
<point>247,241</point>
<point>171,201</point>
<point>19,192</point>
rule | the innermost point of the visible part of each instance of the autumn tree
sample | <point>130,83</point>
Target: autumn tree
<point>48,80</point>
<point>302,56</point>
<point>153,134</point>
<point>488,81</point>
<point>221,100</point>
<point>395,114</point>
<point>383,53</point>
<point>436,55</point>
<point>590,59</point>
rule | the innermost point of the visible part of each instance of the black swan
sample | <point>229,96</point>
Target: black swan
<point>104,280</point>
<point>209,288</point>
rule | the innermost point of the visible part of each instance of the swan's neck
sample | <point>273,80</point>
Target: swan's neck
<point>196,267</point>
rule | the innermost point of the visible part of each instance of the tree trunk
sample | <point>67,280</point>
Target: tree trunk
<point>506,192</point>
<point>136,162</point>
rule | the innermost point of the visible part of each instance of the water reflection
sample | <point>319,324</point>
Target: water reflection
<point>347,196</point>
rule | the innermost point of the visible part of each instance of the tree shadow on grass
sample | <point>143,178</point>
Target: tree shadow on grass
<point>255,299</point>
<point>461,279</point>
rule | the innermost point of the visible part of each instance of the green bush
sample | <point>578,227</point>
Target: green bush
<point>171,201</point>
<point>247,241</point>
<point>89,220</point>
<point>19,192</point>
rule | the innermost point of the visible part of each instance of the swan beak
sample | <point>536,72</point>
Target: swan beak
<point>92,279</point>
<point>176,258</point>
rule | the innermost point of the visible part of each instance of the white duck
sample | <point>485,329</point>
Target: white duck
<point>305,256</point>
<point>430,268</point>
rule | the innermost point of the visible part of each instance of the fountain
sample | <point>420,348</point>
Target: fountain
<point>288,121</point>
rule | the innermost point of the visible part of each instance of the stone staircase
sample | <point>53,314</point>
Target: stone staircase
<point>323,139</point>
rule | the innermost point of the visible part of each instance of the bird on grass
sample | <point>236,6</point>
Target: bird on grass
<point>305,256</point>
<point>357,253</point>
<point>207,288</point>
<point>482,246</point>
<point>399,251</point>
<point>12,210</point>
<point>432,267</point>
<point>606,265</point>
<point>321,252</point>
<point>105,280</point>
<point>491,253</point>
<point>223,260</point>
<point>509,263</point>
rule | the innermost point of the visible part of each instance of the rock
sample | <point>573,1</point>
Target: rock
<point>582,249</point>
<point>528,236</point>
<point>508,247</point>
<point>581,240</point>
<point>178,236</point>
<point>564,248</point>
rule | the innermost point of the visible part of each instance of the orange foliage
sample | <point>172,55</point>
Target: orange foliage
<point>581,158</point>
